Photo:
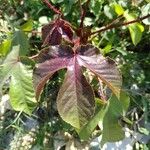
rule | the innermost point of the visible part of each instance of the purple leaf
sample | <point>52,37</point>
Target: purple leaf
<point>51,60</point>
<point>53,33</point>
<point>103,68</point>
<point>75,101</point>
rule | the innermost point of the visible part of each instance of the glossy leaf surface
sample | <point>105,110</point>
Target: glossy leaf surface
<point>75,99</point>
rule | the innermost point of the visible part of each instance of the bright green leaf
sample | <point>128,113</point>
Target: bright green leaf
<point>118,9</point>
<point>107,48</point>
<point>135,29</point>
<point>28,26</point>
<point>22,95</point>
<point>5,47</point>
<point>19,38</point>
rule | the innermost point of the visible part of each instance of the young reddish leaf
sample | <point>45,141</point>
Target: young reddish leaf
<point>75,101</point>
<point>103,68</point>
<point>53,33</point>
<point>51,60</point>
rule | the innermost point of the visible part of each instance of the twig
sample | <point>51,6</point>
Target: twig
<point>52,7</point>
<point>83,12</point>
<point>111,26</point>
<point>34,57</point>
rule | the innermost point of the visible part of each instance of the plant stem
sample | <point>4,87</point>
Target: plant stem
<point>83,11</point>
<point>111,26</point>
<point>52,7</point>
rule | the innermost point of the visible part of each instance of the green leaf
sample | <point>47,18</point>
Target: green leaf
<point>7,67</point>
<point>107,49</point>
<point>96,6</point>
<point>112,130</point>
<point>21,89</point>
<point>135,29</point>
<point>28,26</point>
<point>118,9</point>
<point>5,47</point>
<point>87,130</point>
<point>109,12</point>
<point>22,96</point>
<point>19,38</point>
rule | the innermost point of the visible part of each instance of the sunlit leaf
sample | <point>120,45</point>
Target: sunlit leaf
<point>75,96</point>
<point>75,101</point>
<point>28,26</point>
<point>135,29</point>
<point>5,47</point>
<point>51,60</point>
<point>145,11</point>
<point>7,67</point>
<point>21,87</point>
<point>118,9</point>
<point>22,96</point>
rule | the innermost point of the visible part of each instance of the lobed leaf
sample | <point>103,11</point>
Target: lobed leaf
<point>75,100</point>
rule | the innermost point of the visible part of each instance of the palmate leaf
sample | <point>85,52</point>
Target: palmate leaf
<point>75,100</point>
<point>22,95</point>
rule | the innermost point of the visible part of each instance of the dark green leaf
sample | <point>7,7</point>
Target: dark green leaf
<point>112,130</point>
<point>19,38</point>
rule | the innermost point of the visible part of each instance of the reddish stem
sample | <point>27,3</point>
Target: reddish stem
<point>111,26</point>
<point>83,12</point>
<point>52,7</point>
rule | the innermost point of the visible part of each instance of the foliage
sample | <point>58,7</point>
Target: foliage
<point>66,59</point>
